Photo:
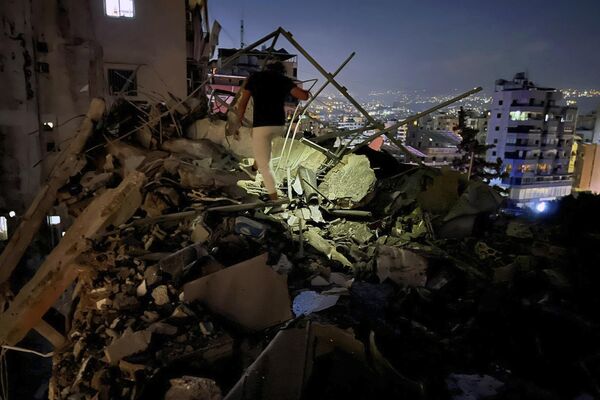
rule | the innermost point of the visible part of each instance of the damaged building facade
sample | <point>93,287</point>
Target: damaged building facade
<point>57,56</point>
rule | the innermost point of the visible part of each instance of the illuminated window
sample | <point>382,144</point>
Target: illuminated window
<point>119,8</point>
<point>53,220</point>
<point>526,168</point>
<point>518,116</point>
<point>543,168</point>
<point>3,229</point>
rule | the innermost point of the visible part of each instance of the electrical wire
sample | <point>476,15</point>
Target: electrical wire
<point>22,350</point>
<point>58,126</point>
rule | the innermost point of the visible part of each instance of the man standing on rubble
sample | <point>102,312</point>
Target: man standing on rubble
<point>269,90</point>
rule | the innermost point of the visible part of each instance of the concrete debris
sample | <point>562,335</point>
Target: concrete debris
<point>319,281</point>
<point>249,293</point>
<point>349,182</point>
<point>161,295</point>
<point>402,266</point>
<point>193,388</point>
<point>473,387</point>
<point>181,269</point>
<point>316,240</point>
<point>129,343</point>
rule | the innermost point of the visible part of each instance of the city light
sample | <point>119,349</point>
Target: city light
<point>541,207</point>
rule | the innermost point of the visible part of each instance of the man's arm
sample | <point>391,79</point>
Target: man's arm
<point>243,103</point>
<point>300,93</point>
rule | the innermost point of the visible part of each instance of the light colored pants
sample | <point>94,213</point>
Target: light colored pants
<point>261,145</point>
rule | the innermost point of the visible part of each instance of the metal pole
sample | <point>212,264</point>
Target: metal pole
<point>337,71</point>
<point>238,53</point>
<point>329,77</point>
<point>417,116</point>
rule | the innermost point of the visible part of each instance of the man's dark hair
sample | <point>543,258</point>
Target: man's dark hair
<point>276,66</point>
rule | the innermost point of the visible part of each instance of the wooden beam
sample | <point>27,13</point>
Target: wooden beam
<point>69,162</point>
<point>60,269</point>
<point>52,335</point>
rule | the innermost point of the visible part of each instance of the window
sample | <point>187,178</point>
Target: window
<point>497,128</point>
<point>119,8</point>
<point>3,228</point>
<point>527,168</point>
<point>500,102</point>
<point>495,140</point>
<point>493,153</point>
<point>499,115</point>
<point>122,81</point>
<point>518,116</point>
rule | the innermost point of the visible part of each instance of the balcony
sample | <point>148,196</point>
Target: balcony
<point>522,146</point>
<point>528,106</point>
<point>514,155</point>
<point>524,129</point>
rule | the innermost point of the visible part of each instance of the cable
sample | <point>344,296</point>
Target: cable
<point>22,350</point>
<point>58,126</point>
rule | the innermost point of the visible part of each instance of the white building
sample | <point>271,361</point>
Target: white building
<point>588,127</point>
<point>533,131</point>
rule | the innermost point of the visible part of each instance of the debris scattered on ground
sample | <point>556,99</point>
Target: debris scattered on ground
<point>411,283</point>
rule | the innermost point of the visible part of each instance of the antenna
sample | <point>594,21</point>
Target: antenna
<point>242,44</point>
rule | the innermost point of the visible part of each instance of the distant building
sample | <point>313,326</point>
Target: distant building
<point>439,121</point>
<point>57,55</point>
<point>434,148</point>
<point>588,127</point>
<point>587,168</point>
<point>351,123</point>
<point>476,120</point>
<point>533,131</point>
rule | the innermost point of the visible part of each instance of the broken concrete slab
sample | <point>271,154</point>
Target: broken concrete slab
<point>357,231</point>
<point>215,131</point>
<point>128,344</point>
<point>402,266</point>
<point>129,157</point>
<point>249,293</point>
<point>195,149</point>
<point>60,268</point>
<point>69,162</point>
<point>349,182</point>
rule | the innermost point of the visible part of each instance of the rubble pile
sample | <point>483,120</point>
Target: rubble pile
<point>358,283</point>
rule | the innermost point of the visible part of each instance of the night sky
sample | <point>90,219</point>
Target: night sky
<point>435,45</point>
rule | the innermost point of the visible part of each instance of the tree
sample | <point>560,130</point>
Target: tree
<point>473,161</point>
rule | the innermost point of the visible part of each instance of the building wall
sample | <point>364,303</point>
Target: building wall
<point>19,136</point>
<point>54,57</point>
<point>587,168</point>
<point>588,127</point>
<point>153,41</point>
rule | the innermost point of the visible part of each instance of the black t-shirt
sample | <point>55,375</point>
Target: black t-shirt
<point>269,90</point>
